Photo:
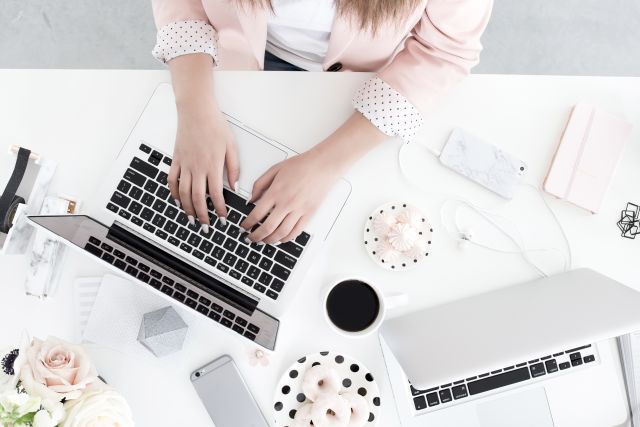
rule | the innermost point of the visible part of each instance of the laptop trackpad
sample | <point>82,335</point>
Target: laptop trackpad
<point>256,156</point>
<point>526,409</point>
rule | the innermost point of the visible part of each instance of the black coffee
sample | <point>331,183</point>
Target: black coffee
<point>353,305</point>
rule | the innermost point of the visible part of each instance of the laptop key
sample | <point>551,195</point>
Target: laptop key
<point>166,161</point>
<point>163,193</point>
<point>148,227</point>
<point>564,365</point>
<point>236,202</point>
<point>280,271</point>
<point>124,214</point>
<point>218,238</point>
<point>249,335</point>
<point>230,259</point>
<point>158,220</point>
<point>202,309</point>
<point>277,285</point>
<point>268,251</point>
<point>159,205</point>
<point>245,280</point>
<point>229,314</point>
<point>537,370</point>
<point>154,161</point>
<point>144,267</point>
<point>171,212</point>
<point>162,178</point>
<point>167,290</point>
<point>265,264</point>
<point>112,207</point>
<point>191,303</point>
<point>135,208</point>
<point>432,399</point>
<point>233,231</point>
<point>216,307</point>
<point>222,267</point>
<point>265,278</point>
<point>206,246</point>
<point>195,227</point>
<point>132,271</point>
<point>108,258</point>
<point>212,262</point>
<point>574,356</point>
<point>500,380</point>
<point>182,219</point>
<point>147,214</point>
<point>590,358</point>
<point>551,365</point>
<point>144,167</point>
<point>234,216</point>
<point>303,238</point>
<point>145,148</point>
<point>286,259</point>
<point>135,177</point>
<point>460,391</point>
<point>124,186</point>
<point>220,226</point>
<point>194,239</point>
<point>120,264</point>
<point>259,287</point>
<point>151,186</point>
<point>161,234</point>
<point>178,296</point>
<point>192,294</point>
<point>242,250</point>
<point>226,322</point>
<point>240,321</point>
<point>136,193</point>
<point>196,253</point>
<point>291,248</point>
<point>214,316</point>
<point>238,329</point>
<point>186,248</point>
<point>120,199</point>
<point>242,266</point>
<point>143,277</point>
<point>230,244</point>
<point>170,227</point>
<point>147,199</point>
<point>183,233</point>
<point>576,362</point>
<point>420,403</point>
<point>445,395</point>
<point>253,272</point>
<point>235,274</point>
<point>254,257</point>
<point>218,252</point>
<point>174,241</point>
<point>272,294</point>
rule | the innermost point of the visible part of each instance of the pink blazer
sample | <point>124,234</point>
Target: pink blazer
<point>422,58</point>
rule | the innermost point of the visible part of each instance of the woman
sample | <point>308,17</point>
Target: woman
<point>419,49</point>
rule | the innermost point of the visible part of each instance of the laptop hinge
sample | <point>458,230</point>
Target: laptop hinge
<point>180,268</point>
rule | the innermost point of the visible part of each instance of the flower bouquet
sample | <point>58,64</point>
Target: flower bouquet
<point>53,383</point>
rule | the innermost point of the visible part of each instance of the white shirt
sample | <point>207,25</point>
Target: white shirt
<point>298,31</point>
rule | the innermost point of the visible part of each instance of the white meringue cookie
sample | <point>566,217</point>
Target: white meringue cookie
<point>331,411</point>
<point>402,236</point>
<point>412,217</point>
<point>382,223</point>
<point>303,416</point>
<point>418,250</point>
<point>385,252</point>
<point>359,409</point>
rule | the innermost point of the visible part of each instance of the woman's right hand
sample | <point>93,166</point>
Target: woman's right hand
<point>204,142</point>
<point>204,148</point>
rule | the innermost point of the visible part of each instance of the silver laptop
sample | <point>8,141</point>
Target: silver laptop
<point>135,227</point>
<point>538,354</point>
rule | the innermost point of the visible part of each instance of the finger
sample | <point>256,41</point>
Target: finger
<point>262,183</point>
<point>215,192</point>
<point>233,166</point>
<point>199,198</point>
<point>283,230</point>
<point>259,212</point>
<point>185,195</point>
<point>269,225</point>
<point>297,229</point>
<point>172,180</point>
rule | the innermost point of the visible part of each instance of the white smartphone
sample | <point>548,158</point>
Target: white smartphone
<point>226,396</point>
<point>483,163</point>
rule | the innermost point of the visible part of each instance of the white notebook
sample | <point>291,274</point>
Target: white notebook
<point>630,354</point>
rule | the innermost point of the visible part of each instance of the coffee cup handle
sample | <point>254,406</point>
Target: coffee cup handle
<point>395,300</point>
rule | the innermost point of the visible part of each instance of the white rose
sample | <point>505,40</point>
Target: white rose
<point>50,416</point>
<point>97,408</point>
<point>19,403</point>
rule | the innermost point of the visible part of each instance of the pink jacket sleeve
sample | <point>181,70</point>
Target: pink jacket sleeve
<point>440,51</point>
<point>166,12</point>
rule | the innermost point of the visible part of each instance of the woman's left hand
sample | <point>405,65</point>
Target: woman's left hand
<point>290,193</point>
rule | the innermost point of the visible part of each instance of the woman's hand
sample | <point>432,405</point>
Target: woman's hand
<point>204,143</point>
<point>204,147</point>
<point>291,191</point>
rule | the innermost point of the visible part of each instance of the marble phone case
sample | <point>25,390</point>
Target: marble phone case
<point>483,163</point>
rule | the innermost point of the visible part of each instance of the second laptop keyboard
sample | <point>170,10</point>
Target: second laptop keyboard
<point>143,197</point>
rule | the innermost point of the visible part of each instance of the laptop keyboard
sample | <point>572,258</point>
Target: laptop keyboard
<point>143,198</point>
<point>464,390</point>
<point>187,296</point>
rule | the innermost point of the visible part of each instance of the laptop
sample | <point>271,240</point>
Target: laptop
<point>539,354</point>
<point>137,229</point>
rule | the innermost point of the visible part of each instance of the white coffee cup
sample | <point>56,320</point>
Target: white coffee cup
<point>338,315</point>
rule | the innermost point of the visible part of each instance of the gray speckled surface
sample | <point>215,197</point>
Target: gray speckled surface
<point>583,37</point>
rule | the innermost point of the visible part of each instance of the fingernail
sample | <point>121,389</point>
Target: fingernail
<point>247,240</point>
<point>259,243</point>
<point>192,220</point>
<point>205,228</point>
<point>235,186</point>
<point>177,202</point>
<point>250,197</point>
<point>223,220</point>
<point>276,243</point>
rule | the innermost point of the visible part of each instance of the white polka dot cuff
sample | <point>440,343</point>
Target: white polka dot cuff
<point>184,37</point>
<point>387,109</point>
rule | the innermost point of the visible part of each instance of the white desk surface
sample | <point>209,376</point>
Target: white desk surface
<point>81,118</point>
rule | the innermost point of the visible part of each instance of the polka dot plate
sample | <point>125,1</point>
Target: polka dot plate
<point>371,239</point>
<point>289,397</point>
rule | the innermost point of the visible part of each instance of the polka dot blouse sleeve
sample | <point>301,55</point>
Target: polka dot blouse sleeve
<point>184,37</point>
<point>387,109</point>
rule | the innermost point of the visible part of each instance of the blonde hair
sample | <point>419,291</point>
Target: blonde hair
<point>367,14</point>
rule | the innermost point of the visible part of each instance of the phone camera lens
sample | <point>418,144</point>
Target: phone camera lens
<point>197,374</point>
<point>522,168</point>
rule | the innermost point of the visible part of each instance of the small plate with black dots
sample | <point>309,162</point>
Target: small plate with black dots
<point>404,261</point>
<point>288,396</point>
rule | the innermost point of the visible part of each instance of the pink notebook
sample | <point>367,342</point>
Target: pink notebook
<point>589,151</point>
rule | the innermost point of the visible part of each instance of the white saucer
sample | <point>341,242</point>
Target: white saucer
<point>371,239</point>
<point>288,397</point>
